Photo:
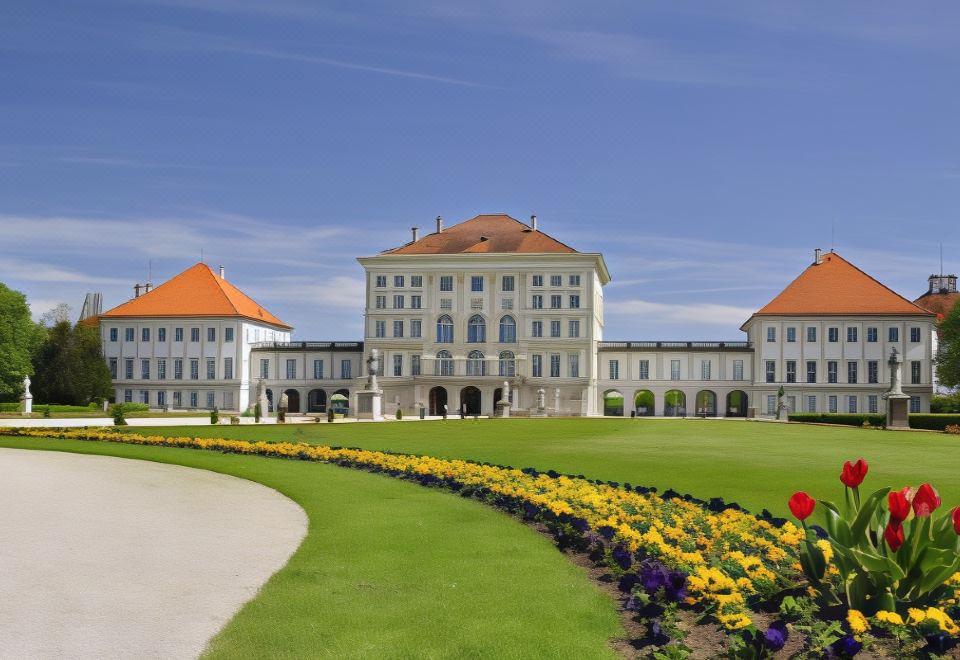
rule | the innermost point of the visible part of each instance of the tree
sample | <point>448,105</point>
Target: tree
<point>18,339</point>
<point>69,366</point>
<point>948,355</point>
<point>58,314</point>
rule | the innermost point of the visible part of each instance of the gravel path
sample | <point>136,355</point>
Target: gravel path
<point>114,558</point>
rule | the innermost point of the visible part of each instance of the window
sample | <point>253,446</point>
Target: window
<point>211,334</point>
<point>161,398</point>
<point>415,328</point>
<point>476,366</point>
<point>144,396</point>
<point>398,281</point>
<point>914,335</point>
<point>210,400</point>
<point>555,302</point>
<point>873,371</point>
<point>194,334</point>
<point>537,302</point>
<point>398,302</point>
<point>852,403</point>
<point>178,334</point>
<point>145,334</point>
<point>674,369</point>
<point>738,369</point>
<point>812,334</point>
<point>264,368</point>
<point>397,364</point>
<point>381,302</point>
<point>414,359</point>
<point>128,369</point>
<point>915,372</point>
<point>771,371</point>
<point>508,330</point>
<point>228,334</point>
<point>211,369</point>
<point>573,328</point>
<point>811,371</point>
<point>643,371</point>
<point>379,328</point>
<point>318,369</point>
<point>851,372</point>
<point>893,334</point>
<point>614,369</point>
<point>872,403</point>
<point>178,369</point>
<point>555,365</point>
<point>444,330</point>
<point>381,281</point>
<point>161,369</point>
<point>506,283</point>
<point>194,369</point>
<point>228,368</point>
<point>555,328</point>
<point>791,335</point>
<point>812,403</point>
<point>914,404</point>
<point>398,328</point>
<point>573,365</point>
<point>506,303</point>
<point>113,334</point>
<point>476,283</point>
<point>575,302</point>
<point>128,334</point>
<point>536,329</point>
<point>791,371</point>
<point>113,368</point>
<point>346,369</point>
<point>833,335</point>
<point>508,364</point>
<point>177,399</point>
<point>446,282</point>
<point>705,369</point>
<point>444,364</point>
<point>416,281</point>
<point>538,280</point>
<point>128,396</point>
<point>771,335</point>
<point>194,399</point>
<point>831,371</point>
<point>851,335</point>
<point>771,404</point>
<point>416,302</point>
<point>476,330</point>
<point>556,280</point>
<point>871,335</point>
<point>145,369</point>
<point>291,368</point>
<point>832,403</point>
<point>537,366</point>
<point>574,280</point>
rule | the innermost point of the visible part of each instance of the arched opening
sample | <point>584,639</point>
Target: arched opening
<point>737,404</point>
<point>644,403</point>
<point>340,402</point>
<point>612,403</point>
<point>476,366</point>
<point>706,404</point>
<point>269,400</point>
<point>508,330</point>
<point>498,394</point>
<point>444,364</point>
<point>438,401</point>
<point>444,330</point>
<point>476,330</point>
<point>508,364</point>
<point>674,404</point>
<point>316,401</point>
<point>293,401</point>
<point>470,400</point>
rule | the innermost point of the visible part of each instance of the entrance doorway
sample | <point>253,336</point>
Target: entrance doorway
<point>470,400</point>
<point>438,401</point>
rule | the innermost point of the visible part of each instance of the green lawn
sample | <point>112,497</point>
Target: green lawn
<point>392,569</point>
<point>756,464</point>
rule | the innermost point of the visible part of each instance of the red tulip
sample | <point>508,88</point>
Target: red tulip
<point>853,473</point>
<point>893,535</point>
<point>802,505</point>
<point>899,506</point>
<point>925,501</point>
<point>956,520</point>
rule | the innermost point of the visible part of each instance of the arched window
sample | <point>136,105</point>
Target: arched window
<point>445,330</point>
<point>476,330</point>
<point>444,364</point>
<point>508,330</point>
<point>508,364</point>
<point>475,364</point>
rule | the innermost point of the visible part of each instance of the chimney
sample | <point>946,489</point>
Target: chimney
<point>533,222</point>
<point>136,290</point>
<point>416,233</point>
<point>147,287</point>
<point>439,224</point>
<point>817,259</point>
<point>222,273</point>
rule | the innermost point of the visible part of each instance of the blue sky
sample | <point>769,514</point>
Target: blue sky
<point>705,148</point>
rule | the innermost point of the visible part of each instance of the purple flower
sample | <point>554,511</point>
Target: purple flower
<point>628,582</point>
<point>776,636</point>
<point>675,588</point>
<point>653,575</point>
<point>606,531</point>
<point>622,556</point>
<point>846,647</point>
<point>657,636</point>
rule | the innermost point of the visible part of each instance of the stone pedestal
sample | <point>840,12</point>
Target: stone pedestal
<point>898,407</point>
<point>503,408</point>
<point>370,405</point>
<point>28,404</point>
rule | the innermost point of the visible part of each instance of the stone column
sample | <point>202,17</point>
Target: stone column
<point>897,401</point>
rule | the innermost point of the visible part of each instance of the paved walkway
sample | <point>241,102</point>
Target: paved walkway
<point>104,557</point>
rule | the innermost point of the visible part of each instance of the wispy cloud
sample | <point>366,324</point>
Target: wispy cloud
<point>728,316</point>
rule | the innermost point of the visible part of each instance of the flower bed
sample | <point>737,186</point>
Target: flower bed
<point>667,553</point>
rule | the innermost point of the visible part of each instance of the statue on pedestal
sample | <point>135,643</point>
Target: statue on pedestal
<point>898,414</point>
<point>262,398</point>
<point>373,368</point>
<point>896,379</point>
<point>27,396</point>
<point>541,399</point>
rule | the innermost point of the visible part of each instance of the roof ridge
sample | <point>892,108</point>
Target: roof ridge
<point>875,280</point>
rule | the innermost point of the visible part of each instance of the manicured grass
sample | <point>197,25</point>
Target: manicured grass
<point>392,569</point>
<point>756,464</point>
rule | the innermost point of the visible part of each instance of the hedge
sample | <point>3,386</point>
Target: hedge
<point>54,407</point>
<point>847,419</point>
<point>933,421</point>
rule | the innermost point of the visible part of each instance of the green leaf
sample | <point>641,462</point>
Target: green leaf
<point>813,562</point>
<point>879,564</point>
<point>837,527</point>
<point>936,578</point>
<point>859,527</point>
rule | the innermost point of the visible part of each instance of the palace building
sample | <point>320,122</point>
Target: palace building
<point>457,312</point>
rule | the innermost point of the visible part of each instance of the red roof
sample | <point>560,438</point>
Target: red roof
<point>838,288</point>
<point>497,233</point>
<point>196,292</point>
<point>940,304</point>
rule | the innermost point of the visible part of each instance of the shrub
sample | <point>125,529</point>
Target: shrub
<point>118,419</point>
<point>257,412</point>
<point>214,416</point>
<point>330,414</point>
<point>46,411</point>
<point>953,429</point>
<point>932,422</point>
<point>399,414</point>
<point>945,403</point>
<point>846,419</point>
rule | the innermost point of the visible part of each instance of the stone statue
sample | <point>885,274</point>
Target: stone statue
<point>896,379</point>
<point>284,402</point>
<point>541,398</point>
<point>27,396</point>
<point>505,396</point>
<point>373,368</point>
<point>262,398</point>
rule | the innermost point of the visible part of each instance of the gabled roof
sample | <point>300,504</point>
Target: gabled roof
<point>196,292</point>
<point>485,234</point>
<point>835,287</point>
<point>938,303</point>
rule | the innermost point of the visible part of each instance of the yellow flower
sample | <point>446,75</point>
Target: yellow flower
<point>858,622</point>
<point>890,617</point>
<point>916,616</point>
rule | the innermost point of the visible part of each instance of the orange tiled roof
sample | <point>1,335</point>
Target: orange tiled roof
<point>837,287</point>
<point>196,292</point>
<point>940,304</point>
<point>483,234</point>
